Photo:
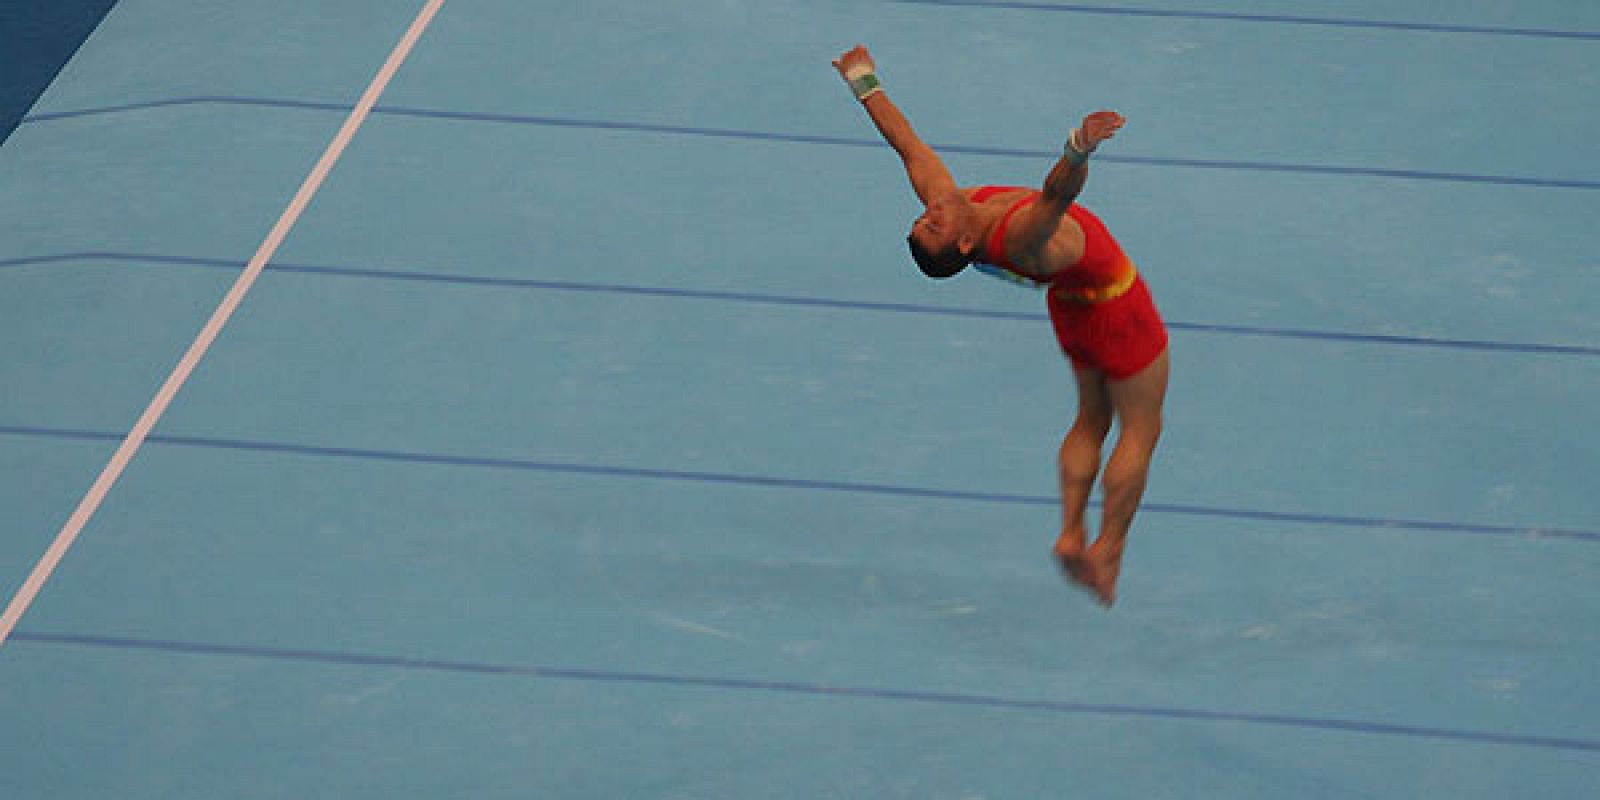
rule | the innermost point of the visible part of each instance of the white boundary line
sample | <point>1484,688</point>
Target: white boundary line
<point>158,406</point>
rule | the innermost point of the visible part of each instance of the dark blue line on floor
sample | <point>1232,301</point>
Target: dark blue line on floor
<point>786,300</point>
<point>800,688</point>
<point>730,133</point>
<point>1282,19</point>
<point>804,484</point>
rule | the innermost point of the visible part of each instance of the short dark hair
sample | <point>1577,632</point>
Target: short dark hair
<point>938,264</point>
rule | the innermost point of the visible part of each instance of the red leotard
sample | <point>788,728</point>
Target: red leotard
<point>1102,311</point>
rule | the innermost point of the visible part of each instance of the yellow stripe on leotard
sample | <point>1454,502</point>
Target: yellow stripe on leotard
<point>1101,294</point>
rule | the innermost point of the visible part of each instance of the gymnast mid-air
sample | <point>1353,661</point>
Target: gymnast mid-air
<point>1103,315</point>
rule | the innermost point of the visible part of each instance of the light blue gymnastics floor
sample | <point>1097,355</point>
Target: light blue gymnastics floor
<point>593,436</point>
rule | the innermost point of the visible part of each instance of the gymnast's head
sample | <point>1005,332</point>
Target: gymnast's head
<point>945,238</point>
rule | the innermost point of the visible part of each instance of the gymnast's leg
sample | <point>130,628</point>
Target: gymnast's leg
<point>1137,403</point>
<point>1078,464</point>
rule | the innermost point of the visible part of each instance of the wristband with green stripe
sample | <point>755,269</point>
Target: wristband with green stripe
<point>1075,151</point>
<point>864,85</point>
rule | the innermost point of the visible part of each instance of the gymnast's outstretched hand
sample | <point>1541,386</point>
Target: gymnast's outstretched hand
<point>1100,126</point>
<point>855,60</point>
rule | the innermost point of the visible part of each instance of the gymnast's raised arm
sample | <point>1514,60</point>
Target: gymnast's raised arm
<point>929,176</point>
<point>1037,224</point>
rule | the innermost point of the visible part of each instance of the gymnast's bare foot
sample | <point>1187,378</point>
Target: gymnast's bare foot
<point>1073,557</point>
<point>1104,566</point>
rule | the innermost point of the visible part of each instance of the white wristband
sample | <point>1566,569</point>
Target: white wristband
<point>863,81</point>
<point>1076,152</point>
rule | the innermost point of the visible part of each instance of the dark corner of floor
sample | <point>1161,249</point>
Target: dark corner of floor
<point>37,39</point>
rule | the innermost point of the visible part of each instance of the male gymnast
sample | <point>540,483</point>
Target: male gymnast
<point>1102,312</point>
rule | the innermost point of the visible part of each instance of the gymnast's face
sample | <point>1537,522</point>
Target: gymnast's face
<point>944,238</point>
